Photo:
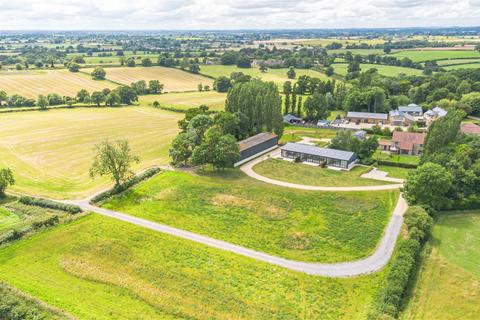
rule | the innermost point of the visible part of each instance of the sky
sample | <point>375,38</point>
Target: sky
<point>233,14</point>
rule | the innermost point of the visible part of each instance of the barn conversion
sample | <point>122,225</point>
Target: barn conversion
<point>256,145</point>
<point>331,157</point>
<point>367,117</point>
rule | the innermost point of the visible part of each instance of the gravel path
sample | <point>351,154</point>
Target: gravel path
<point>370,264</point>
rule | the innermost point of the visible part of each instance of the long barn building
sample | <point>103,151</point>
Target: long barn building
<point>255,146</point>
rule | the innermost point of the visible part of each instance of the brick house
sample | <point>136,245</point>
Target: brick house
<point>404,143</point>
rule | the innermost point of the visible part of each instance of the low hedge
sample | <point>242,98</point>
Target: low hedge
<point>45,203</point>
<point>17,234</point>
<point>397,164</point>
<point>388,301</point>
<point>126,185</point>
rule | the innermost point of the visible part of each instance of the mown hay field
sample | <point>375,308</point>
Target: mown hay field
<point>173,79</point>
<point>279,76</point>
<point>50,152</point>
<point>185,100</point>
<point>464,66</point>
<point>295,224</point>
<point>63,82</point>
<point>101,268</point>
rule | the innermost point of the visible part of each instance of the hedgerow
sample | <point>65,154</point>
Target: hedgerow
<point>126,185</point>
<point>45,203</point>
<point>16,234</point>
<point>388,302</point>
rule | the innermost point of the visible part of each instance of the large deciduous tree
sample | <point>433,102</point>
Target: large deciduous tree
<point>6,179</point>
<point>113,159</point>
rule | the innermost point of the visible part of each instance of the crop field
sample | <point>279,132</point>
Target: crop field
<point>295,224</point>
<point>101,268</point>
<point>65,83</point>
<point>448,285</point>
<point>391,71</point>
<point>314,175</point>
<point>51,151</point>
<point>420,56</point>
<point>185,100</point>
<point>279,76</point>
<point>173,79</point>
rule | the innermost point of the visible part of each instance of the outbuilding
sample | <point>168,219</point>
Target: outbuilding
<point>331,157</point>
<point>367,117</point>
<point>255,146</point>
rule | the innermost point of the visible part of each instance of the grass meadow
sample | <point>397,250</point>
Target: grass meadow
<point>448,285</point>
<point>63,82</point>
<point>100,268</point>
<point>173,79</point>
<point>398,158</point>
<point>314,175</point>
<point>186,100</point>
<point>279,76</point>
<point>50,152</point>
<point>295,224</point>
<point>395,172</point>
<point>463,66</point>
<point>426,55</point>
<point>390,71</point>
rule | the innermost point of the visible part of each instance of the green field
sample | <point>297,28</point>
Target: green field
<point>395,172</point>
<point>452,62</point>
<point>279,76</point>
<point>100,268</point>
<point>426,55</point>
<point>463,66</point>
<point>65,83</point>
<point>174,80</point>
<point>363,52</point>
<point>185,100</point>
<point>449,281</point>
<point>296,224</point>
<point>390,71</point>
<point>314,175</point>
<point>50,152</point>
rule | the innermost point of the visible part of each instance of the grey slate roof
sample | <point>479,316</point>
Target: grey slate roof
<point>321,152</point>
<point>255,140</point>
<point>410,108</point>
<point>368,115</point>
<point>289,117</point>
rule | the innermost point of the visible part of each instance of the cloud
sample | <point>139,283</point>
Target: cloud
<point>233,14</point>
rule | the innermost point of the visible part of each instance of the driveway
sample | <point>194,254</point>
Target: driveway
<point>247,168</point>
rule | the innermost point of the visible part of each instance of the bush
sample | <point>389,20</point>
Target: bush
<point>397,164</point>
<point>127,184</point>
<point>389,298</point>
<point>45,203</point>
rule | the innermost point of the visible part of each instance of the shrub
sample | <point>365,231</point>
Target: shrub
<point>45,203</point>
<point>389,298</point>
<point>127,184</point>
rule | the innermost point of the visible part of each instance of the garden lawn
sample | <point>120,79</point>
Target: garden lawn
<point>101,268</point>
<point>448,285</point>
<point>390,71</point>
<point>174,80</point>
<point>279,76</point>
<point>295,134</point>
<point>186,100</point>
<point>295,224</point>
<point>311,175</point>
<point>398,158</point>
<point>395,172</point>
<point>63,82</point>
<point>50,152</point>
